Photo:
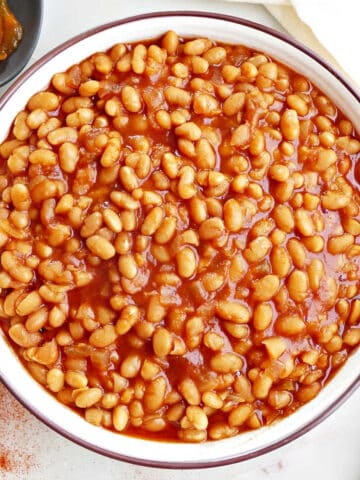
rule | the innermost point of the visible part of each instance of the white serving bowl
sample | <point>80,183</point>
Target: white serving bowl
<point>45,406</point>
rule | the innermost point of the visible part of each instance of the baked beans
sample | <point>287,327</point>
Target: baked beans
<point>179,239</point>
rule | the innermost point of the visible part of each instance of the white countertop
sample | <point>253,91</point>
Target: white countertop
<point>331,451</point>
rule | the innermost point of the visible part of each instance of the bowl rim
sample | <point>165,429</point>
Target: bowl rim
<point>180,13</point>
<point>337,401</point>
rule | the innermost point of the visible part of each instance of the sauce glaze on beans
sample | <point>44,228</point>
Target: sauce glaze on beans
<point>180,239</point>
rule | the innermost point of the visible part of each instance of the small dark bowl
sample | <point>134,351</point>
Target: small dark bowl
<point>29,13</point>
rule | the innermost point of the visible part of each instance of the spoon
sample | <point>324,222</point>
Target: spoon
<point>29,14</point>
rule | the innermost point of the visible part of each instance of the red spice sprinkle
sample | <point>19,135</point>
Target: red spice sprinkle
<point>17,449</point>
<point>4,461</point>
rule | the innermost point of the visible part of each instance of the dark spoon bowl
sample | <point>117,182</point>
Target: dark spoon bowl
<point>29,14</point>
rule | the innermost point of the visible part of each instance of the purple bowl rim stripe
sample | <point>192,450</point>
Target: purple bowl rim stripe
<point>179,465</point>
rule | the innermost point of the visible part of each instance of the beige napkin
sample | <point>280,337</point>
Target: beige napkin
<point>328,27</point>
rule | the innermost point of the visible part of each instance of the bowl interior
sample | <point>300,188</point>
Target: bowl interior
<point>43,404</point>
